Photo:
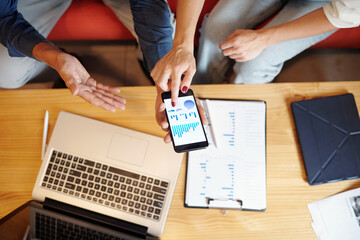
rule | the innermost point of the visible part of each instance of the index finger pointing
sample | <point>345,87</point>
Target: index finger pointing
<point>189,74</point>
<point>175,85</point>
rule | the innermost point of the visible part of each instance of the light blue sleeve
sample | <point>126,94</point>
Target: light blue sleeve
<point>15,32</point>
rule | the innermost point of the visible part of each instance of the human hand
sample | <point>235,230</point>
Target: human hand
<point>243,45</point>
<point>175,71</point>
<point>161,118</point>
<point>78,80</point>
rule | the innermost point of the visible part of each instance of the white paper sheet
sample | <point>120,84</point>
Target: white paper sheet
<point>337,217</point>
<point>236,168</point>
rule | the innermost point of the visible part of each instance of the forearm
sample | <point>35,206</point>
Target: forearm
<point>187,15</point>
<point>179,63</point>
<point>313,23</point>
<point>47,53</point>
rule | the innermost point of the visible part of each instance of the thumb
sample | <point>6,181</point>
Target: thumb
<point>73,87</point>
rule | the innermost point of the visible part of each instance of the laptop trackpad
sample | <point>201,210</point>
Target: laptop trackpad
<point>127,149</point>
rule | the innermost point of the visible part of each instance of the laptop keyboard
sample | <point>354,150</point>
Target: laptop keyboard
<point>109,186</point>
<point>47,227</point>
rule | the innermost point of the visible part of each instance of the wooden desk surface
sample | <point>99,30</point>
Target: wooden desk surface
<point>286,217</point>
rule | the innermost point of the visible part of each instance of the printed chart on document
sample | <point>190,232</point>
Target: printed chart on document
<point>225,169</point>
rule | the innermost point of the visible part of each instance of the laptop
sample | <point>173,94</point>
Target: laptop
<point>105,169</point>
<point>34,220</point>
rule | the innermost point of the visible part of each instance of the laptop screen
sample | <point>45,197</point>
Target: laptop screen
<point>34,221</point>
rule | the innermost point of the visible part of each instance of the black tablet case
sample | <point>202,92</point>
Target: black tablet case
<point>328,130</point>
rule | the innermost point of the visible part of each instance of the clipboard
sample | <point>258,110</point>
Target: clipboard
<point>245,119</point>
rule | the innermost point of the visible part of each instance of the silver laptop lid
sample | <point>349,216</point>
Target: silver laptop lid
<point>36,220</point>
<point>111,170</point>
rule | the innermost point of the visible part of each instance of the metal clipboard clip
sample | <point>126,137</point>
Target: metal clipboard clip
<point>224,204</point>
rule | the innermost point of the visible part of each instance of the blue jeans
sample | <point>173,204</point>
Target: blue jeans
<point>153,25</point>
<point>229,15</point>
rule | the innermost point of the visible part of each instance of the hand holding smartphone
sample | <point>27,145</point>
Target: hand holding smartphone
<point>186,128</point>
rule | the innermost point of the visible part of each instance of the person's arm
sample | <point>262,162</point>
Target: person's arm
<point>22,40</point>
<point>178,65</point>
<point>313,23</point>
<point>243,45</point>
<point>77,79</point>
<point>149,18</point>
<point>16,34</point>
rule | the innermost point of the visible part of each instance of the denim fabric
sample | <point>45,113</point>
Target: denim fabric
<point>224,19</point>
<point>229,15</point>
<point>265,67</point>
<point>122,10</point>
<point>152,23</point>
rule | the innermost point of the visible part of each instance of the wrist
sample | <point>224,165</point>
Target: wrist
<point>47,53</point>
<point>184,42</point>
<point>183,48</point>
<point>268,36</point>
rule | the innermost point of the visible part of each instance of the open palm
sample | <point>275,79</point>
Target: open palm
<point>78,80</point>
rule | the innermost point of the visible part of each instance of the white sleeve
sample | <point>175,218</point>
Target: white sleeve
<point>343,13</point>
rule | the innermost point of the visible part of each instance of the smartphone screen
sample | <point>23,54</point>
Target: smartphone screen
<point>186,128</point>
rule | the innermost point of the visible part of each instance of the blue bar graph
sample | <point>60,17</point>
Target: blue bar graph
<point>231,134</point>
<point>230,188</point>
<point>227,185</point>
<point>203,166</point>
<point>174,116</point>
<point>183,116</point>
<point>179,130</point>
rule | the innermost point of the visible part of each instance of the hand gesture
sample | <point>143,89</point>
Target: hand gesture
<point>175,71</point>
<point>244,45</point>
<point>161,118</point>
<point>78,80</point>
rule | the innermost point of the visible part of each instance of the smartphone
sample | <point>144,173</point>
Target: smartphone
<point>186,128</point>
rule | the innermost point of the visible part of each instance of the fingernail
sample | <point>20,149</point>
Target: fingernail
<point>184,89</point>
<point>173,104</point>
